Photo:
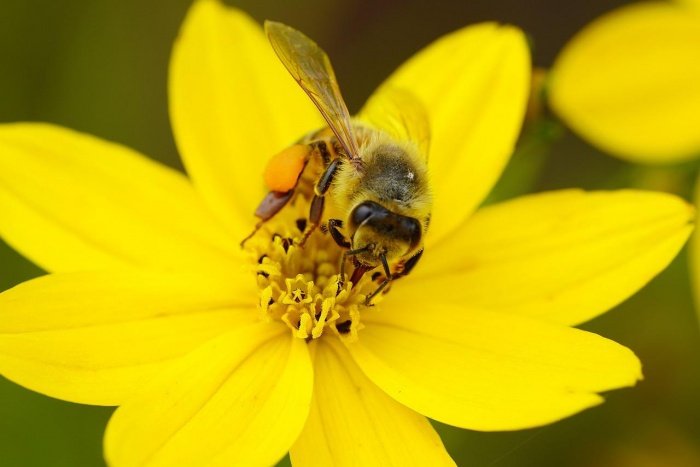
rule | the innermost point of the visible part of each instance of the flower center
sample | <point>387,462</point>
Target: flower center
<point>300,286</point>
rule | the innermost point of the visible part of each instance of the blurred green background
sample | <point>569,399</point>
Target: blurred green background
<point>101,67</point>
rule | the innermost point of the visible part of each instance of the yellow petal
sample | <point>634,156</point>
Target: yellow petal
<point>474,84</point>
<point>564,256</point>
<point>400,114</point>
<point>241,399</point>
<point>630,83</point>
<point>692,5</point>
<point>69,201</point>
<point>485,370</point>
<point>232,106</point>
<point>352,422</point>
<point>695,255</point>
<point>95,338</point>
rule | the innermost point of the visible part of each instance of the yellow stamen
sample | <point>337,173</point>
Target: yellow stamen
<point>300,286</point>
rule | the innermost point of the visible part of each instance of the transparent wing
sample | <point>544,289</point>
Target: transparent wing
<point>311,68</point>
<point>399,113</point>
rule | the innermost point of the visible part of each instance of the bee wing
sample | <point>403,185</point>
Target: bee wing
<point>401,114</point>
<point>311,68</point>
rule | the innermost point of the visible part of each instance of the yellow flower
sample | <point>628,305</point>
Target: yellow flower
<point>630,82</point>
<point>218,356</point>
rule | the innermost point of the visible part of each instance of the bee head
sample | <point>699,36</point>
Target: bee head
<point>382,232</point>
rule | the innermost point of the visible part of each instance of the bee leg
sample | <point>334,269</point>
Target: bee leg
<point>316,210</point>
<point>342,242</point>
<point>408,265</point>
<point>359,269</point>
<point>315,214</point>
<point>338,237</point>
<point>386,281</point>
<point>273,203</point>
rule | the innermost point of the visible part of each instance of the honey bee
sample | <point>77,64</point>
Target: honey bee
<point>374,174</point>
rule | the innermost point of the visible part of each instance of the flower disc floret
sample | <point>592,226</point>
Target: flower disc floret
<point>300,286</point>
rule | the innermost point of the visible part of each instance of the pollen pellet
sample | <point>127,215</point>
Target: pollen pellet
<point>283,170</point>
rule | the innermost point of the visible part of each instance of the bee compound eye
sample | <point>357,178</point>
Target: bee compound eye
<point>362,212</point>
<point>414,230</point>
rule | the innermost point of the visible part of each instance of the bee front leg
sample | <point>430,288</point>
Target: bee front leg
<point>407,267</point>
<point>359,271</point>
<point>338,237</point>
<point>386,281</point>
<point>317,203</point>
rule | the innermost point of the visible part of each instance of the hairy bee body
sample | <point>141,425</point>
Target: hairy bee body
<point>395,176</point>
<point>368,183</point>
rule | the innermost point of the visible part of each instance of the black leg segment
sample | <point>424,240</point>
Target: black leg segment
<point>317,203</point>
<point>338,237</point>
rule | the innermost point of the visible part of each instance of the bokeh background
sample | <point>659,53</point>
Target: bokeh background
<point>101,67</point>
